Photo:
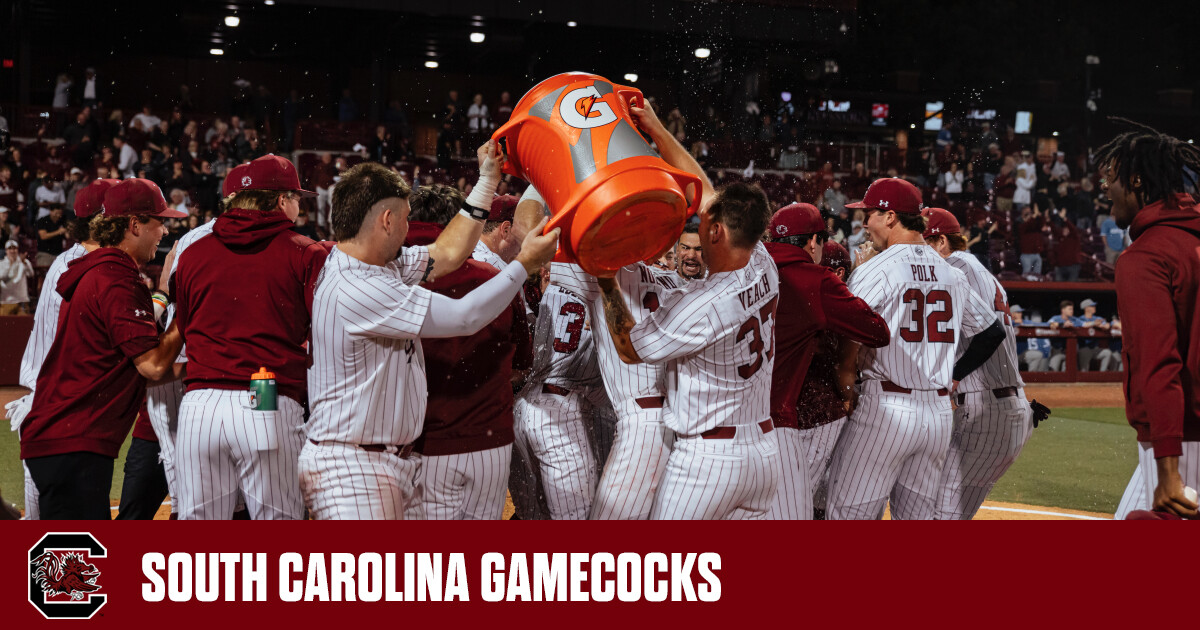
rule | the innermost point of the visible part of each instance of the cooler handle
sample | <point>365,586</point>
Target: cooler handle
<point>684,179</point>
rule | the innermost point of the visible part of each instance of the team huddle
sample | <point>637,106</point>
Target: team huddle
<point>431,360</point>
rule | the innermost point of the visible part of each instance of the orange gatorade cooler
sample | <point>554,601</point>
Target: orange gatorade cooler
<point>615,200</point>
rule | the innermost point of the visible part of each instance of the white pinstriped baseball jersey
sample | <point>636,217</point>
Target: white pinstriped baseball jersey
<point>564,353</point>
<point>483,253</point>
<point>643,288</point>
<point>929,309</point>
<point>717,339</point>
<point>367,381</point>
<point>1000,370</point>
<point>45,319</point>
<point>186,240</point>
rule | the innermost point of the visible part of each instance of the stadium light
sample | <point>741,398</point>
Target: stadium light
<point>269,3</point>
<point>572,23</point>
<point>1055,134</point>
<point>631,77</point>
<point>912,126</point>
<point>431,64</point>
<point>216,51</point>
<point>703,53</point>
<point>477,37</point>
<point>232,21</point>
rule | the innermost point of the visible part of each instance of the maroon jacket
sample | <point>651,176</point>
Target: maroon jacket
<point>1068,246</point>
<point>243,300</point>
<point>470,378</point>
<point>1158,284</point>
<point>88,392</point>
<point>811,299</point>
<point>142,429</point>
<point>820,402</point>
<point>1031,236</point>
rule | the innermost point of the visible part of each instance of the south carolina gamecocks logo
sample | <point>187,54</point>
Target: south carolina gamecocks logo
<point>63,580</point>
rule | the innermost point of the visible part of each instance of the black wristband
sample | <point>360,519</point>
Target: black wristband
<point>479,214</point>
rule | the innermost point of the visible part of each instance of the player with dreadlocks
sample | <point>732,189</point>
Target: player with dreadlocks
<point>1145,172</point>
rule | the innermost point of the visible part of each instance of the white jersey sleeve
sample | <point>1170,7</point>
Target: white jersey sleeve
<point>412,265</point>
<point>1001,369</point>
<point>186,241</point>
<point>45,319</point>
<point>683,325</point>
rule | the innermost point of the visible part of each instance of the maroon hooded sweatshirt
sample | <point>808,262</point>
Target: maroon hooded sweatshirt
<point>811,299</point>
<point>243,300</point>
<point>1158,284</point>
<point>470,378</point>
<point>89,392</point>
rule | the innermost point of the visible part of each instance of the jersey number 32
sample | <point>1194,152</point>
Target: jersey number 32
<point>928,327</point>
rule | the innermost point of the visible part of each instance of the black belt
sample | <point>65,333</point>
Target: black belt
<point>999,392</point>
<point>402,450</point>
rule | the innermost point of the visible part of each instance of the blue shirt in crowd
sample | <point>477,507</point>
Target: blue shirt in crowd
<point>1113,235</point>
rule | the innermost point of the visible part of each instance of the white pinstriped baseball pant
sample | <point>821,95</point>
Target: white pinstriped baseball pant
<point>634,467</point>
<point>162,403</point>
<point>719,479</point>
<point>894,447</point>
<point>552,440</point>
<point>1189,468</point>
<point>344,482</point>
<point>794,499</point>
<point>988,435</point>
<point>462,486</point>
<point>819,443</point>
<point>1134,497</point>
<point>223,445</point>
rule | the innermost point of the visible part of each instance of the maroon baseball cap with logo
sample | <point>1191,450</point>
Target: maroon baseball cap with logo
<point>134,197</point>
<point>269,172</point>
<point>504,208</point>
<point>796,219</point>
<point>940,221</point>
<point>835,256</point>
<point>891,193</point>
<point>90,200</point>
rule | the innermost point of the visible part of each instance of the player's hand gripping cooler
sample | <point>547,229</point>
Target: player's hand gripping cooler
<point>616,201</point>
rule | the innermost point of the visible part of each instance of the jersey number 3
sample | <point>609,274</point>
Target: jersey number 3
<point>574,327</point>
<point>754,326</point>
<point>929,325</point>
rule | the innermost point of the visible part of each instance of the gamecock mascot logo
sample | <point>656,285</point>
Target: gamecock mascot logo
<point>63,581</point>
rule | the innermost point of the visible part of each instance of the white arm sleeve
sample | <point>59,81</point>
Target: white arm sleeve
<point>467,315</point>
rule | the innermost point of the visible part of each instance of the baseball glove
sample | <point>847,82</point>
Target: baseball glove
<point>17,410</point>
<point>1040,412</point>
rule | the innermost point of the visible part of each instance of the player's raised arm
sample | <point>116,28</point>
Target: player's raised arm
<point>458,240</point>
<point>672,151</point>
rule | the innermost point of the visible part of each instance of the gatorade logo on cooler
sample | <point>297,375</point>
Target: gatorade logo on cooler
<point>583,109</point>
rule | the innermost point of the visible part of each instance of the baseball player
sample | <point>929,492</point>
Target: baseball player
<point>820,411</point>
<point>811,299</point>
<point>895,445</point>
<point>45,318</point>
<point>106,347</point>
<point>716,337</point>
<point>368,376</point>
<point>466,445</point>
<point>689,258</point>
<point>1134,497</point>
<point>243,298</point>
<point>1146,174</point>
<point>145,484</point>
<point>993,420</point>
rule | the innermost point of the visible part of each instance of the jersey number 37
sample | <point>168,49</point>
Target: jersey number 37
<point>754,329</point>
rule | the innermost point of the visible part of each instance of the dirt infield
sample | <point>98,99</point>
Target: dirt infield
<point>1076,394</point>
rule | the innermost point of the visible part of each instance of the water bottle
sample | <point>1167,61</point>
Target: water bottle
<point>262,390</point>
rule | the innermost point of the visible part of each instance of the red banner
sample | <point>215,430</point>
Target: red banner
<point>590,574</point>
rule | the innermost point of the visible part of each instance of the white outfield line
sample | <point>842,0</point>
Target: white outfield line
<point>1044,513</point>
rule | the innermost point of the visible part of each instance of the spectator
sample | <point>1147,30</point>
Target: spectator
<point>183,102</point>
<point>1110,357</point>
<point>952,181</point>
<point>979,237</point>
<point>49,194</point>
<point>990,165</point>
<point>50,232</point>
<point>1026,181</point>
<point>321,178</point>
<point>987,137</point>
<point>1059,171</point>
<point>76,182</point>
<point>1088,347</point>
<point>180,177</point>
<point>676,124</point>
<point>478,121</point>
<point>304,228</point>
<point>15,272</point>
<point>1065,319</point>
<point>1067,266</point>
<point>62,92</point>
<point>449,141</point>
<point>145,121</point>
<point>945,136</point>
<point>1031,243</point>
<point>115,126</point>
<point>90,93</point>
<point>1010,145</point>
<point>126,157</point>
<point>3,121</point>
<point>1114,240</point>
<point>835,199</point>
<point>218,133</point>
<point>8,188</point>
<point>858,235</point>
<point>207,186</point>
<point>77,132</point>
<point>5,228</point>
<point>347,108</point>
<point>504,109</point>
<point>1034,351</point>
<point>179,201</point>
<point>1084,204</point>
<point>380,148</point>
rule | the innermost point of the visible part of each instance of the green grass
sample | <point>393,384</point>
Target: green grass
<point>12,477</point>
<point>1079,459</point>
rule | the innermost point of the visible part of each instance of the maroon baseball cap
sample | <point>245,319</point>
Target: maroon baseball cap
<point>835,256</point>
<point>138,197</point>
<point>796,219</point>
<point>940,222</point>
<point>269,172</point>
<point>90,200</point>
<point>891,193</point>
<point>504,208</point>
